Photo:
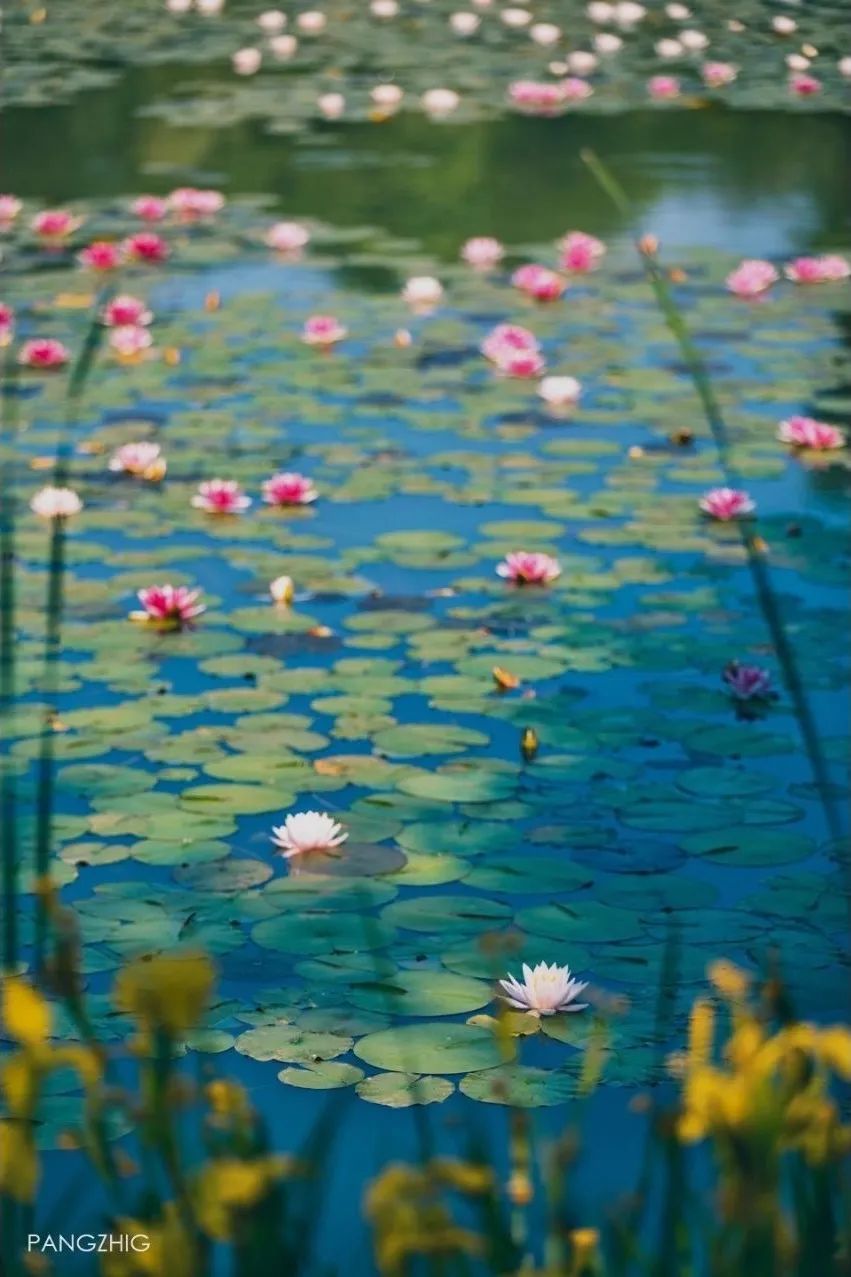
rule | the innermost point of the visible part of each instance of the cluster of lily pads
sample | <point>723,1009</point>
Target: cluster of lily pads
<point>524,776</point>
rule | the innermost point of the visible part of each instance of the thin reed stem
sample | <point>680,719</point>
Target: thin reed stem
<point>8,842</point>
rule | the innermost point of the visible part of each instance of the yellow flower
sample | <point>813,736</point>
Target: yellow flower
<point>730,981</point>
<point>227,1186</point>
<point>25,1013</point>
<point>227,1099</point>
<point>162,1246</point>
<point>168,992</point>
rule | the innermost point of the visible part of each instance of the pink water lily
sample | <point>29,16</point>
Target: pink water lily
<point>102,254</point>
<point>536,97</point>
<point>508,339</point>
<point>220,497</point>
<point>575,89</point>
<point>308,831</point>
<point>130,341</point>
<point>523,365</point>
<point>539,282</point>
<point>323,330</point>
<point>192,204</point>
<point>523,567</point>
<point>806,432</point>
<point>747,682</point>
<point>289,489</point>
<point>287,237</point>
<point>752,277</point>
<point>54,223</point>
<point>171,607</point>
<point>146,246</point>
<point>43,352</point>
<point>580,253</point>
<point>483,252</point>
<point>141,460</point>
<point>718,74</point>
<point>150,208</point>
<point>56,503</point>
<point>725,504</point>
<point>663,88</point>
<point>827,269</point>
<point>804,86</point>
<point>7,322</point>
<point>10,207</point>
<point>123,311</point>
<point>544,990</point>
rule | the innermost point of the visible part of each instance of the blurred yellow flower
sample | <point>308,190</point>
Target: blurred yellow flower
<point>24,1012</point>
<point>167,992</point>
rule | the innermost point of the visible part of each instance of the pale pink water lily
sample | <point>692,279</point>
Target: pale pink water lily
<point>797,62</point>
<point>55,223</point>
<point>464,24</point>
<point>747,682</point>
<point>545,34</point>
<point>515,17</point>
<point>843,66</point>
<point>331,106</point>
<point>483,252</point>
<point>544,990</point>
<point>126,311</point>
<point>826,269</point>
<point>523,365</point>
<point>43,352</point>
<point>804,86</point>
<point>386,96</point>
<point>288,488</point>
<point>628,13</point>
<point>718,74</point>
<point>282,590</point>
<point>145,246</point>
<point>506,340</point>
<point>142,460</point>
<point>669,49</point>
<point>752,277</point>
<point>308,831</point>
<point>313,22</point>
<point>246,61</point>
<point>580,253</point>
<point>102,254</point>
<point>607,43</point>
<point>538,282</point>
<point>783,25</point>
<point>806,432</point>
<point>601,12</point>
<point>7,322</point>
<point>287,237</point>
<point>422,292</point>
<point>524,567</point>
<point>283,47</point>
<point>560,392</point>
<point>582,61</point>
<point>694,41</point>
<point>384,9</point>
<point>663,88</point>
<point>271,20</point>
<point>10,207</point>
<point>575,89</point>
<point>129,341</point>
<point>169,606</point>
<point>221,496</point>
<point>192,204</point>
<point>438,103</point>
<point>323,330</point>
<point>56,503</point>
<point>150,208</point>
<point>726,504</point>
<point>536,96</point>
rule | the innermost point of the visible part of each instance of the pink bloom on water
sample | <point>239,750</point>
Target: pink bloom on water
<point>130,341</point>
<point>663,88</point>
<point>536,96</point>
<point>827,269</point>
<point>7,320</point>
<point>752,277</point>
<point>101,255</point>
<point>575,89</point>
<point>146,246</point>
<point>221,496</point>
<point>150,208</point>
<point>43,352</point>
<point>725,504</point>
<point>580,253</point>
<point>806,432</point>
<point>124,311</point>
<point>10,207</point>
<point>169,606</point>
<point>539,282</point>
<point>747,682</point>
<point>718,74</point>
<point>483,252</point>
<point>54,223</point>
<point>287,237</point>
<point>506,340</point>
<point>289,489</point>
<point>141,460</point>
<point>529,363</point>
<point>523,567</point>
<point>804,86</point>
<point>191,204</point>
<point>323,330</point>
<point>56,503</point>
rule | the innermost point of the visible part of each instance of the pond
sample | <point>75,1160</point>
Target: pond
<point>524,773</point>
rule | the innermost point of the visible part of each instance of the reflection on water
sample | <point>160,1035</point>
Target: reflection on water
<point>757,182</point>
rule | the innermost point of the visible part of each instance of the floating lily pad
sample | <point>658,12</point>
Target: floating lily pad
<point>430,1048</point>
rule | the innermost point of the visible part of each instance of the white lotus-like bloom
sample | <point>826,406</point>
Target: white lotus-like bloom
<point>246,61</point>
<point>283,47</point>
<point>271,21</point>
<point>56,503</point>
<point>440,102</point>
<point>545,33</point>
<point>582,61</point>
<point>694,41</point>
<point>545,990</point>
<point>422,290</point>
<point>463,23</point>
<point>305,831</point>
<point>607,42</point>
<point>312,22</point>
<point>559,392</point>
<point>386,95</point>
<point>515,17</point>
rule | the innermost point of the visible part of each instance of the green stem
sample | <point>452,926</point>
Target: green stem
<point>8,842</point>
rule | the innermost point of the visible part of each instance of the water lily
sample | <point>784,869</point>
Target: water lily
<point>806,432</point>
<point>506,340</point>
<point>331,106</point>
<point>827,269</point>
<point>726,504</point>
<point>560,392</point>
<point>545,33</point>
<point>169,606</point>
<point>575,89</point>
<point>283,47</point>
<point>102,254</point>
<point>386,96</point>
<point>663,88</point>
<point>515,17</point>
<point>271,20</point>
<point>464,24</point>
<point>10,207</point>
<point>628,13</point>
<point>282,589</point>
<point>438,103</point>
<point>544,990</point>
<point>246,61</point>
<point>783,25</point>
<point>607,43</point>
<point>582,61</point>
<point>150,208</point>
<point>483,252</point>
<point>287,237</point>
<point>43,353</point>
<point>123,311</point>
<point>308,831</point>
<point>323,330</point>
<point>56,503</point>
<point>668,49</point>
<point>192,204</point>
<point>384,9</point>
<point>536,96</point>
<point>747,682</point>
<point>752,277</point>
<point>129,341</point>
<point>7,323</point>
<point>580,253</point>
<point>422,292</point>
<point>538,282</point>
<point>313,22</point>
<point>220,497</point>
<point>694,41</point>
<point>523,567</point>
<point>804,86</point>
<point>142,460</point>
<point>289,489</point>
<point>718,74</point>
<point>54,224</point>
<point>145,246</point>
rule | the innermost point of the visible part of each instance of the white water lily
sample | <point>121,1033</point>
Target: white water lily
<point>56,503</point>
<point>305,831</point>
<point>545,990</point>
